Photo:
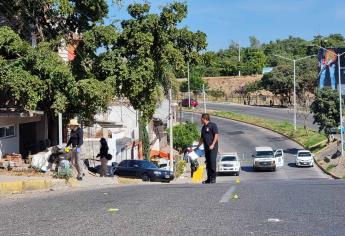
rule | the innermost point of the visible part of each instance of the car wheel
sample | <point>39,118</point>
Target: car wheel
<point>145,177</point>
<point>238,173</point>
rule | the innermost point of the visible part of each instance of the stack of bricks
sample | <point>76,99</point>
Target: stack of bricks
<point>12,160</point>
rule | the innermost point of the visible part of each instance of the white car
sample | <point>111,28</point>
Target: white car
<point>229,163</point>
<point>267,159</point>
<point>304,158</point>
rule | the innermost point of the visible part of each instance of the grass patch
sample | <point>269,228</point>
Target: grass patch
<point>343,177</point>
<point>309,138</point>
<point>330,167</point>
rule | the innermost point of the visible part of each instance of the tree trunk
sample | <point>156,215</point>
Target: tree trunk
<point>144,138</point>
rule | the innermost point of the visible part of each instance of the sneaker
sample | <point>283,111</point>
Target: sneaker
<point>206,182</point>
<point>79,178</point>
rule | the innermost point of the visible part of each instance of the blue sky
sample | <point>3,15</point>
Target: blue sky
<point>227,20</point>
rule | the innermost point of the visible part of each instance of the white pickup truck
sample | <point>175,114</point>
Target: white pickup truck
<point>267,159</point>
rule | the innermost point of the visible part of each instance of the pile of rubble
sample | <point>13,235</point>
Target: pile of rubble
<point>14,162</point>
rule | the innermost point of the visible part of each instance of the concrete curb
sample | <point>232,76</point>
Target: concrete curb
<point>11,187</point>
<point>321,168</point>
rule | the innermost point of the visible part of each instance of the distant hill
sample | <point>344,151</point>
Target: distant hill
<point>228,84</point>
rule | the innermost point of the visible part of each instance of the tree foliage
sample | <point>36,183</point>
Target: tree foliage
<point>196,82</point>
<point>325,109</point>
<point>185,135</point>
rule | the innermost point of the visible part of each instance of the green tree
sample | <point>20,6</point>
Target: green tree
<point>153,49</point>
<point>254,42</point>
<point>280,82</point>
<point>185,135</point>
<point>325,109</point>
<point>245,91</point>
<point>196,83</point>
<point>50,19</point>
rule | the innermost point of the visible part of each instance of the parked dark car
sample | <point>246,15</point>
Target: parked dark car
<point>142,169</point>
<point>193,103</point>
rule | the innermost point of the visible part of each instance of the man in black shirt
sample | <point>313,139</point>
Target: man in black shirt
<point>209,137</point>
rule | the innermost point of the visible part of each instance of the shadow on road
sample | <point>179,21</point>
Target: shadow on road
<point>247,169</point>
<point>292,164</point>
<point>291,151</point>
<point>277,139</point>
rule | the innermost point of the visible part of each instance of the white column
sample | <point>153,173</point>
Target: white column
<point>171,134</point>
<point>60,128</point>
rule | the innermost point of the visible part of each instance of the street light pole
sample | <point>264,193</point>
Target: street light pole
<point>340,107</point>
<point>294,96</point>
<point>239,58</point>
<point>294,86</point>
<point>171,151</point>
<point>188,84</point>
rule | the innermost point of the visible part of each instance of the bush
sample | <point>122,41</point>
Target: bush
<point>180,168</point>
<point>185,135</point>
<point>63,173</point>
<point>216,93</point>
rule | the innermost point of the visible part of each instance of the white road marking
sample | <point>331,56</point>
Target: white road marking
<point>273,220</point>
<point>227,196</point>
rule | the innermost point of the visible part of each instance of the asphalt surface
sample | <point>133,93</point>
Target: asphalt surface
<point>290,201</point>
<point>242,138</point>
<point>283,114</point>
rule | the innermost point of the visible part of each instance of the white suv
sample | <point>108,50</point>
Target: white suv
<point>229,163</point>
<point>267,159</point>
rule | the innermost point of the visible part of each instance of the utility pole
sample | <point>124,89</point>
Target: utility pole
<point>171,133</point>
<point>340,107</point>
<point>188,84</point>
<point>203,90</point>
<point>239,58</point>
<point>294,96</point>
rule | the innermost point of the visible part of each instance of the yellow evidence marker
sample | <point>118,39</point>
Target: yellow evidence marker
<point>112,210</point>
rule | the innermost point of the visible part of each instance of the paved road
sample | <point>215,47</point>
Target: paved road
<point>291,201</point>
<point>283,114</point>
<point>274,207</point>
<point>243,138</point>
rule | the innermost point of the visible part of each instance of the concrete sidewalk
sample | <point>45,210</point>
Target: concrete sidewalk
<point>22,184</point>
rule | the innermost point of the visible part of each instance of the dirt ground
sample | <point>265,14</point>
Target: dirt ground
<point>29,173</point>
<point>229,84</point>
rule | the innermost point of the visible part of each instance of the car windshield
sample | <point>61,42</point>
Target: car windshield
<point>263,154</point>
<point>304,154</point>
<point>229,158</point>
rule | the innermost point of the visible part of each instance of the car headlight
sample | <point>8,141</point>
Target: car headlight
<point>157,172</point>
<point>273,162</point>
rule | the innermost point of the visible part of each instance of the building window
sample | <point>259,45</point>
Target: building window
<point>7,131</point>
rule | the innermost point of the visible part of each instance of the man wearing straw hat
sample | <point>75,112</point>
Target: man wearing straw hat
<point>75,141</point>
